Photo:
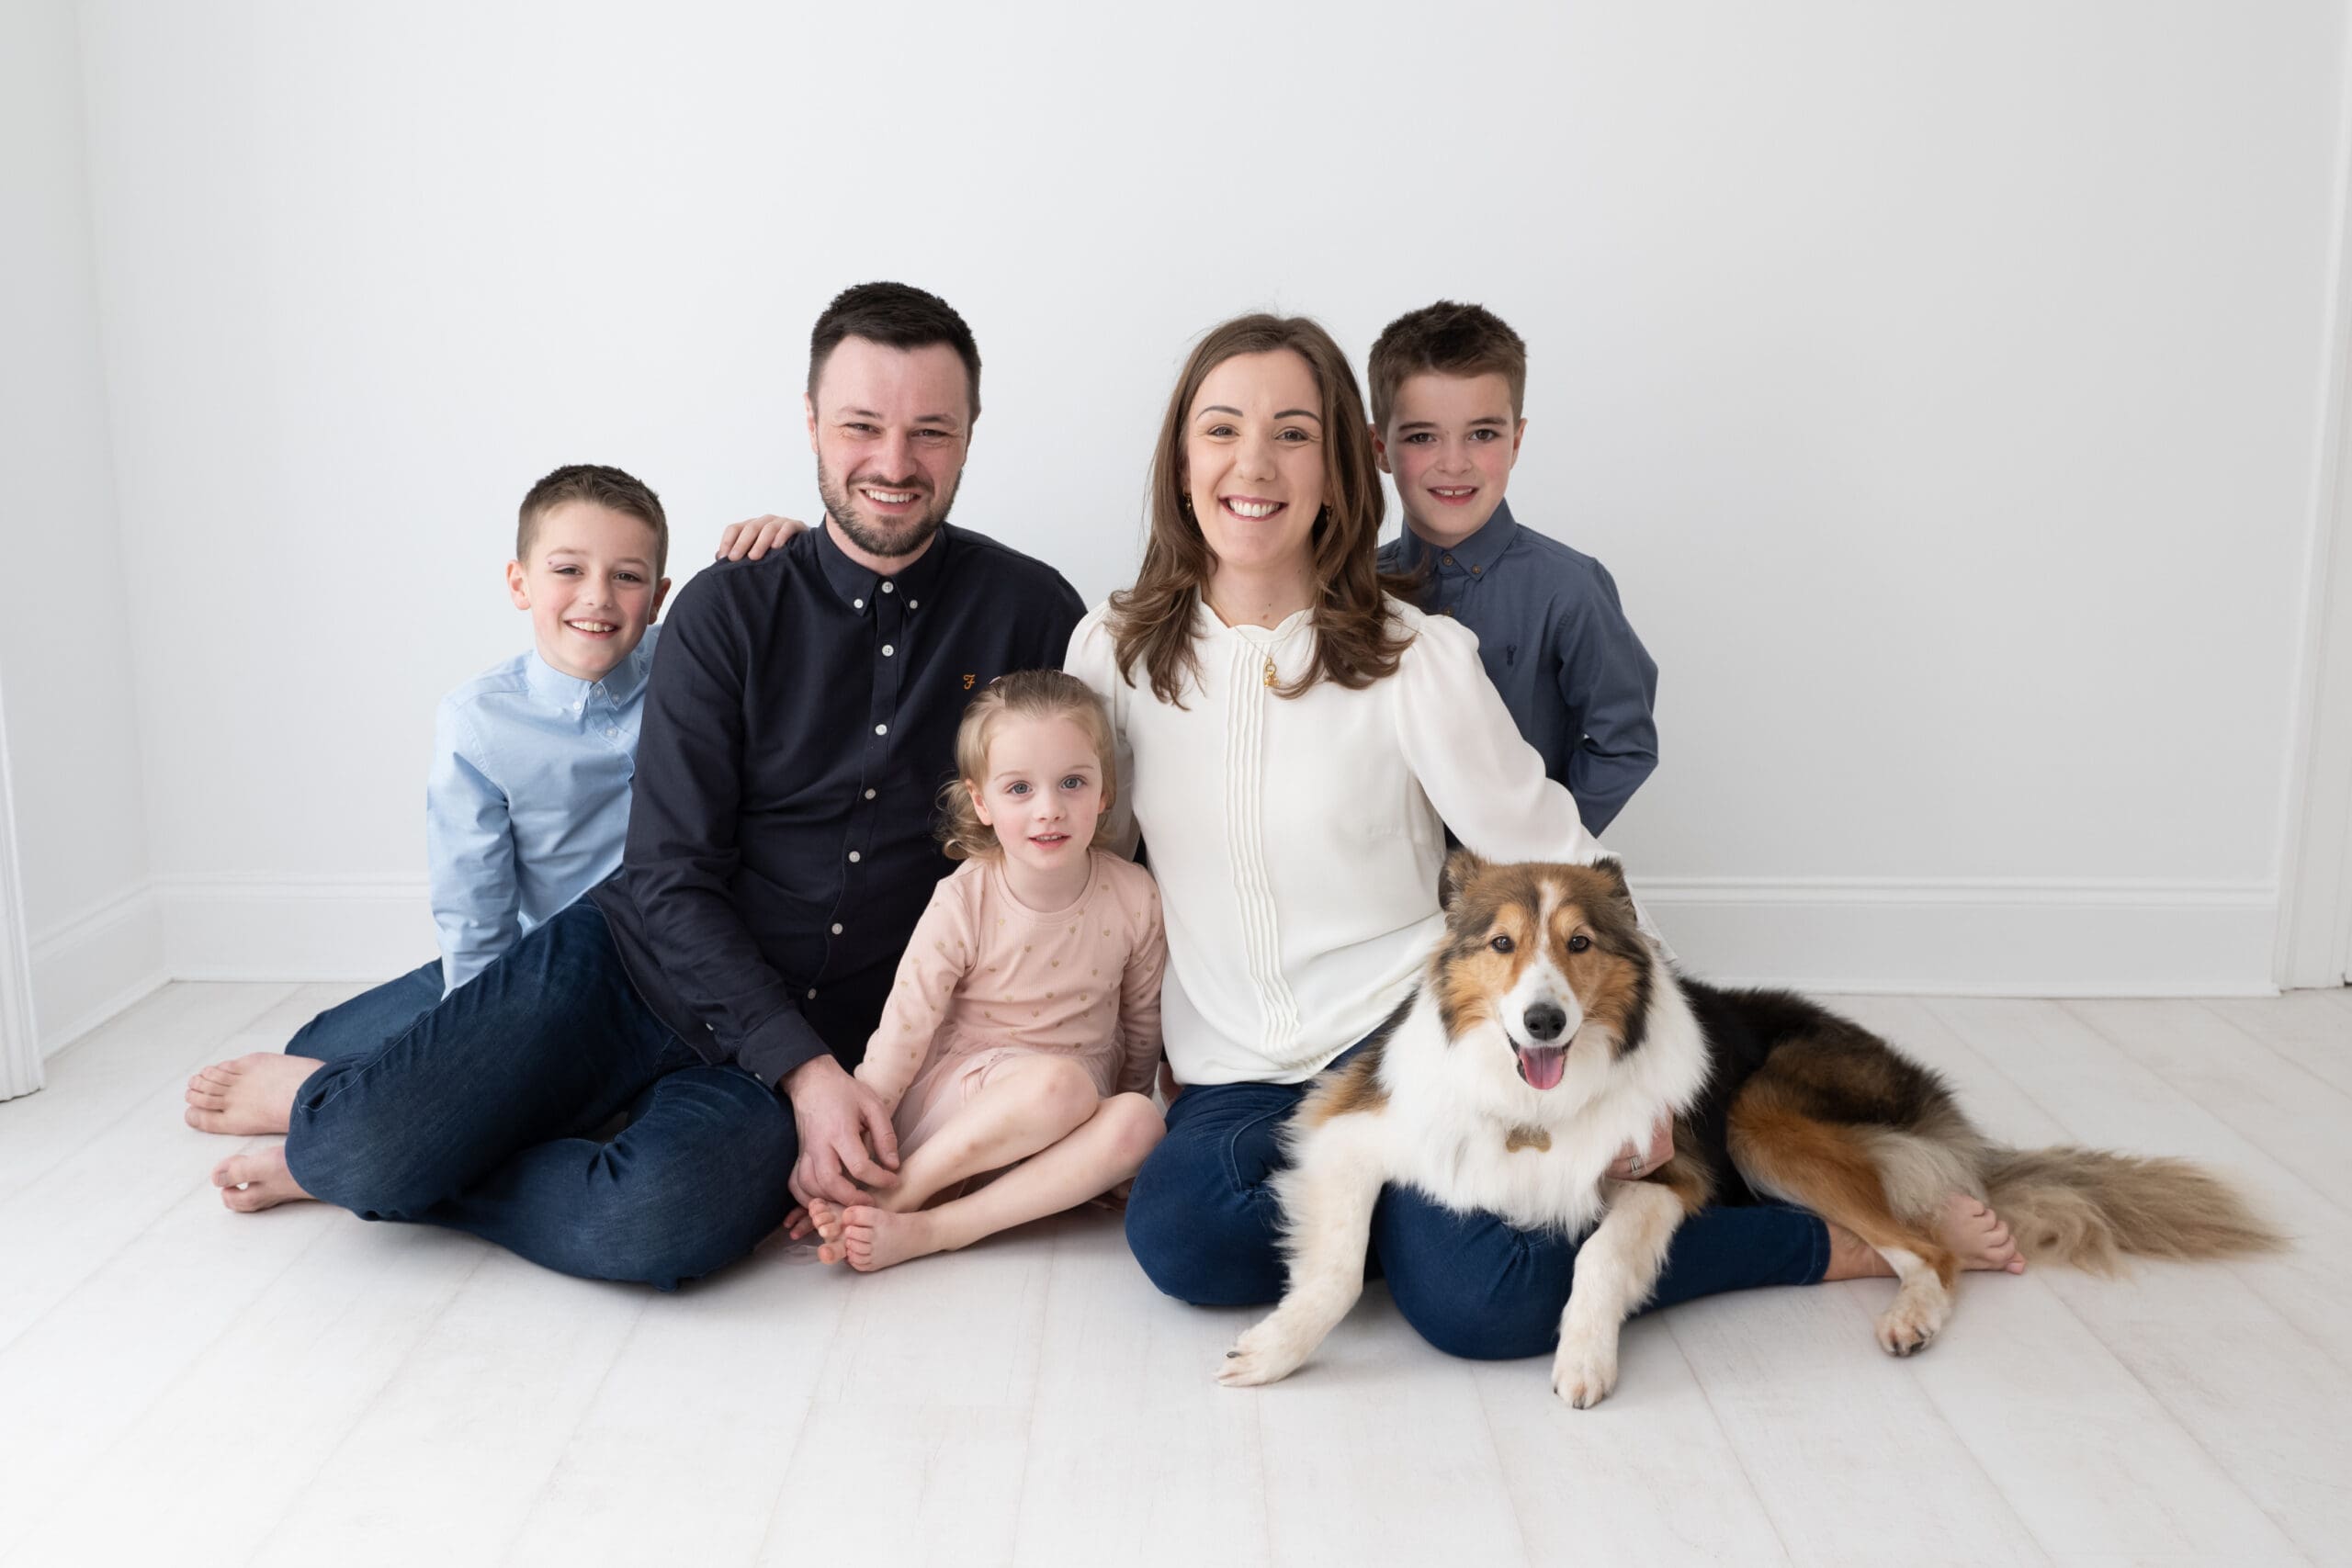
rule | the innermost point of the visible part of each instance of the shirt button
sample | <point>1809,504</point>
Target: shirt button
<point>855,857</point>
<point>857,604</point>
<point>887,650</point>
<point>612,734</point>
<point>1449,560</point>
<point>881,729</point>
<point>812,993</point>
<point>889,587</point>
<point>869,795</point>
<point>836,928</point>
<point>1477,569</point>
<point>914,603</point>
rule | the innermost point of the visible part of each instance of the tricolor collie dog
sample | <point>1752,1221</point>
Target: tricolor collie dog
<point>1548,1032</point>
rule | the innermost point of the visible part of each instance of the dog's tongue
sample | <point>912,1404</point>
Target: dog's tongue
<point>1542,1066</point>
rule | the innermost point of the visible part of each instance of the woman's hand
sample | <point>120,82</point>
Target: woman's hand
<point>1632,1164</point>
<point>755,536</point>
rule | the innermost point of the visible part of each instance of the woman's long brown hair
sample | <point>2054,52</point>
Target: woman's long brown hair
<point>1356,642</point>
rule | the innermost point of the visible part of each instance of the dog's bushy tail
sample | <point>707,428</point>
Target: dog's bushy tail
<point>2087,1207</point>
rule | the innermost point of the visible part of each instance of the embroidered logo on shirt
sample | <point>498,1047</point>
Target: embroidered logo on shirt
<point>968,682</point>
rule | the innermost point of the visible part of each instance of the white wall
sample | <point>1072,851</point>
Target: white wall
<point>66,634</point>
<point>1943,387</point>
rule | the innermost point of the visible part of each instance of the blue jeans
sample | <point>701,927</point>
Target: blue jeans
<point>477,1116</point>
<point>363,1023</point>
<point>1203,1223</point>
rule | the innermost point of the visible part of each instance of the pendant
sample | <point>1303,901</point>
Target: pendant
<point>1270,671</point>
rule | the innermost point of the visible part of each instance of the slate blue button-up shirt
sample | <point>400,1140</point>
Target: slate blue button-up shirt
<point>1557,646</point>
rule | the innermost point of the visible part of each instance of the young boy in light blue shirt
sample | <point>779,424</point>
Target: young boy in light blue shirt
<point>1448,382</point>
<point>527,802</point>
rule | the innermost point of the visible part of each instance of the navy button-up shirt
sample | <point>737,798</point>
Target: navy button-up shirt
<point>800,726</point>
<point>1556,644</point>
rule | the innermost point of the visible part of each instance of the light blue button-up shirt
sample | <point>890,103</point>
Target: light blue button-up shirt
<point>528,803</point>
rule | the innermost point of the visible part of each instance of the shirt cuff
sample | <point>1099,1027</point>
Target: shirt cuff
<point>780,1044</point>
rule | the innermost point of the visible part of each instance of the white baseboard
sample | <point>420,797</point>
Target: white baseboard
<point>2016,937</point>
<point>88,968</point>
<point>2007,937</point>
<point>308,929</point>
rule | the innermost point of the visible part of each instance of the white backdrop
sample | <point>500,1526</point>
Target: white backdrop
<point>1944,386</point>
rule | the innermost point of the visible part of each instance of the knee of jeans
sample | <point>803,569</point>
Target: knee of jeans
<point>663,1232</point>
<point>1198,1240</point>
<point>1495,1301</point>
<point>664,1215</point>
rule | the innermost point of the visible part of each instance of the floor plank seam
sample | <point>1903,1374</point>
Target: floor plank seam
<point>1731,1446</point>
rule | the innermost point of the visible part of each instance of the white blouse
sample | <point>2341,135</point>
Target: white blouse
<point>1297,841</point>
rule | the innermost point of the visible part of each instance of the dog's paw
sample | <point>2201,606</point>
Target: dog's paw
<point>1584,1370</point>
<point>1911,1324</point>
<point>1267,1353</point>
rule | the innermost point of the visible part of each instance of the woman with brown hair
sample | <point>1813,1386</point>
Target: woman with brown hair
<point>1292,742</point>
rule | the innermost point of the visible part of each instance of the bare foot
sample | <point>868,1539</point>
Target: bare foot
<point>876,1238</point>
<point>1978,1236</point>
<point>251,1094</point>
<point>259,1180</point>
<point>825,1219</point>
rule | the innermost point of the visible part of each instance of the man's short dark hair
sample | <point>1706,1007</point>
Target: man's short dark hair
<point>895,315</point>
<point>600,486</point>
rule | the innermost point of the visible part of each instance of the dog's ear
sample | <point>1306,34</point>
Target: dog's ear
<point>1612,872</point>
<point>1460,867</point>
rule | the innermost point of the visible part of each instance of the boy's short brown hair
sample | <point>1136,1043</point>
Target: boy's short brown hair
<point>1451,340</point>
<point>600,486</point>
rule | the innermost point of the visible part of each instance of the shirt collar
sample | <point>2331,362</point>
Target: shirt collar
<point>1474,555</point>
<point>569,693</point>
<point>858,585</point>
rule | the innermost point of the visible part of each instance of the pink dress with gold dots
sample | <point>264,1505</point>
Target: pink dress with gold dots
<point>986,979</point>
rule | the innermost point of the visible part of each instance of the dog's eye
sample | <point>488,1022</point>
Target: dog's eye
<point>1502,944</point>
<point>1578,943</point>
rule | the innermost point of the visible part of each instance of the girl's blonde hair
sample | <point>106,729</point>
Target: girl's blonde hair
<point>1026,694</point>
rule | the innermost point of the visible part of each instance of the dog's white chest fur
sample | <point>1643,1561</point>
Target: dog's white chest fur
<point>1463,1126</point>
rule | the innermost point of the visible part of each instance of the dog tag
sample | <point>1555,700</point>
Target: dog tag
<point>1534,1138</point>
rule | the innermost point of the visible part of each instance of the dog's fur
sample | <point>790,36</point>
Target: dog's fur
<point>1548,1032</point>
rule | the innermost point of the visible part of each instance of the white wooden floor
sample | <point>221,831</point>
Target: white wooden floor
<point>183,1385</point>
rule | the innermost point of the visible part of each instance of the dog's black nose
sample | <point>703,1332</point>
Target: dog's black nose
<point>1544,1021</point>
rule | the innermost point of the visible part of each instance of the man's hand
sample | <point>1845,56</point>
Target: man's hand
<point>755,536</point>
<point>837,1117</point>
<point>1631,1163</point>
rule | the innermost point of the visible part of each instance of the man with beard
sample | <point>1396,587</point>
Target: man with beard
<point>798,726</point>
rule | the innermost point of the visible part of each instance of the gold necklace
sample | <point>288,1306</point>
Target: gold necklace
<point>1269,670</point>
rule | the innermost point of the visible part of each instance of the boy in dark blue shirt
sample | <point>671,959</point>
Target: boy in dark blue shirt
<point>1448,382</point>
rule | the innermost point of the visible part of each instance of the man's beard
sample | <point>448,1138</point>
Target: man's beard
<point>892,541</point>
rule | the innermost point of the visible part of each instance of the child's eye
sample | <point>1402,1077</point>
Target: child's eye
<point>565,571</point>
<point>628,577</point>
<point>1075,781</point>
<point>1419,438</point>
<point>1016,789</point>
<point>1485,435</point>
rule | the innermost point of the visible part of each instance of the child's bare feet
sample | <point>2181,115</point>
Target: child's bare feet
<point>876,1238</point>
<point>247,1095</point>
<point>258,1180</point>
<point>825,1219</point>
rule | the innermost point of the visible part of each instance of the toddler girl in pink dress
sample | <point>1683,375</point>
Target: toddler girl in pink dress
<point>1023,1028</point>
